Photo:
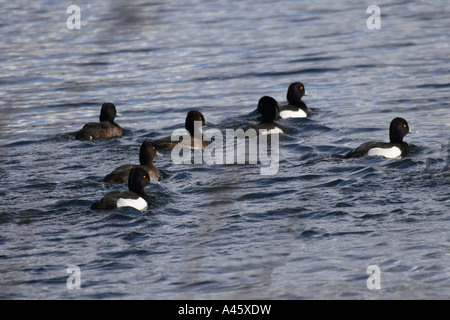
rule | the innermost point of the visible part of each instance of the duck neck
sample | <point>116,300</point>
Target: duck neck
<point>395,138</point>
<point>134,189</point>
<point>195,132</point>
<point>146,161</point>
<point>106,119</point>
<point>138,190</point>
<point>294,100</point>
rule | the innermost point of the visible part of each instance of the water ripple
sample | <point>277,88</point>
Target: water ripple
<point>224,231</point>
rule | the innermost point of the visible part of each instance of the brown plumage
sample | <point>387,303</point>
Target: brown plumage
<point>104,129</point>
<point>166,143</point>
<point>146,155</point>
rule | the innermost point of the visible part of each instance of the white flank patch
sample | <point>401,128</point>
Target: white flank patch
<point>392,152</point>
<point>271,131</point>
<point>285,114</point>
<point>138,203</point>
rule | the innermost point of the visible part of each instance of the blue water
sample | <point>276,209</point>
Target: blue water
<point>225,231</point>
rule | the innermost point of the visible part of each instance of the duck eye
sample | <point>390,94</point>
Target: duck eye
<point>144,177</point>
<point>301,88</point>
<point>404,126</point>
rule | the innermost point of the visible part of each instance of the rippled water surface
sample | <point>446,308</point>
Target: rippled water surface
<point>225,231</point>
